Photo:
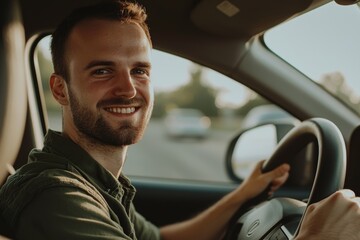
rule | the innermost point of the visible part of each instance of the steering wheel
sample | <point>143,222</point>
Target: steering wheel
<point>280,218</point>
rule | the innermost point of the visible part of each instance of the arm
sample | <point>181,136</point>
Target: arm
<point>212,223</point>
<point>336,217</point>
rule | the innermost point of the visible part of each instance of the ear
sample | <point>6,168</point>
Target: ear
<point>58,88</point>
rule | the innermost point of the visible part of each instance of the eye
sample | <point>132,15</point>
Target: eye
<point>140,71</point>
<point>101,71</point>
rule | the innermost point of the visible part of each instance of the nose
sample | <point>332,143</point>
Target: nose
<point>124,86</point>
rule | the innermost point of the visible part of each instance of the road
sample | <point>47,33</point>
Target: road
<point>158,156</point>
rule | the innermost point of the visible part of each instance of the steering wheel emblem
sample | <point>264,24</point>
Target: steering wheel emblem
<point>253,227</point>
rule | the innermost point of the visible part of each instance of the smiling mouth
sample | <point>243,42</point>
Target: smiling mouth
<point>122,110</point>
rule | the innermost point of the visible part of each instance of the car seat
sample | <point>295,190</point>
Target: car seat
<point>12,89</point>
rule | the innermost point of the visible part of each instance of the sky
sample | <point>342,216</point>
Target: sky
<point>323,41</point>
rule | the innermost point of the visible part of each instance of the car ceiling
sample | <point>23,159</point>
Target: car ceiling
<point>184,16</point>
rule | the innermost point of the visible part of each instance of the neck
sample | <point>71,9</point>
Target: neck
<point>112,158</point>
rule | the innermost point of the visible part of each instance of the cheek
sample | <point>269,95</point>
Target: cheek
<point>81,85</point>
<point>91,97</point>
<point>84,96</point>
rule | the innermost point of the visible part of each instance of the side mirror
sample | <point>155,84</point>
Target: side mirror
<point>252,145</point>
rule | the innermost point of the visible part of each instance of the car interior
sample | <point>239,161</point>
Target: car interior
<point>226,36</point>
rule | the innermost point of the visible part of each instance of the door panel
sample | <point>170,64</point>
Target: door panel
<point>164,202</point>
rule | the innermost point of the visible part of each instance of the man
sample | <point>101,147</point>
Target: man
<point>74,187</point>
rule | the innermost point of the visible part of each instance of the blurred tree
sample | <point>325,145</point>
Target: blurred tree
<point>195,94</point>
<point>336,84</point>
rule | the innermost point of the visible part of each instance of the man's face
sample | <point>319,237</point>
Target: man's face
<point>109,92</point>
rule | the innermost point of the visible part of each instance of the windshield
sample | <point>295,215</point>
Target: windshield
<point>324,45</point>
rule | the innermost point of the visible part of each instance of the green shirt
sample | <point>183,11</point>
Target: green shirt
<point>63,193</point>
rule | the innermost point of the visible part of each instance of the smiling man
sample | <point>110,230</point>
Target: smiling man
<point>74,188</point>
<point>106,96</point>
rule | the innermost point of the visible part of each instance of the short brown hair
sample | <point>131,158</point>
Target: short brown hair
<point>119,10</point>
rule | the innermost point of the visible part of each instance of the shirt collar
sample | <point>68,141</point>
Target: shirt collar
<point>69,151</point>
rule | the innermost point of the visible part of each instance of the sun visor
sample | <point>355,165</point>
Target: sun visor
<point>240,18</point>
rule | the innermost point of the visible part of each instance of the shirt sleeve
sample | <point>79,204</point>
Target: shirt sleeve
<point>67,213</point>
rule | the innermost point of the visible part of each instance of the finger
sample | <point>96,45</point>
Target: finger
<point>259,165</point>
<point>277,182</point>
<point>257,169</point>
<point>277,172</point>
<point>356,200</point>
<point>340,196</point>
<point>347,193</point>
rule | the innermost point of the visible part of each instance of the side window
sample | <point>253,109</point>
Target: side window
<point>329,36</point>
<point>196,114</point>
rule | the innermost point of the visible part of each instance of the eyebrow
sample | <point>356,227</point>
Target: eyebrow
<point>98,63</point>
<point>143,64</point>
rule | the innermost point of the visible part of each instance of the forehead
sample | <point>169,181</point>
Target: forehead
<point>107,35</point>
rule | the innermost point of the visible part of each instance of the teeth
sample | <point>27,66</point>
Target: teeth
<point>121,110</point>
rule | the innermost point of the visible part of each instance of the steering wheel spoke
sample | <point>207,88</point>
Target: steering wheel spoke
<point>275,217</point>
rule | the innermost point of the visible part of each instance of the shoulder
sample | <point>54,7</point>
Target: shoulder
<point>65,213</point>
<point>34,178</point>
<point>46,185</point>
